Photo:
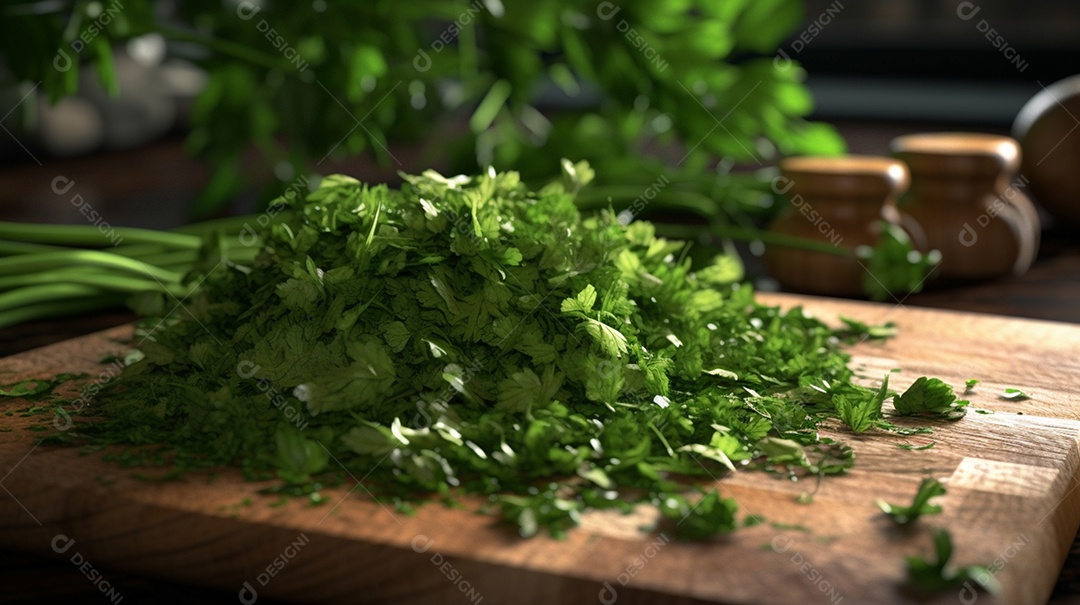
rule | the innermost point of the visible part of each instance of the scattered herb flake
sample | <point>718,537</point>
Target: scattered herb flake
<point>929,577</point>
<point>1015,395</point>
<point>930,397</point>
<point>929,489</point>
<point>856,331</point>
<point>917,448</point>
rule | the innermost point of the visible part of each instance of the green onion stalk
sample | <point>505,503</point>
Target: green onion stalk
<point>56,270</point>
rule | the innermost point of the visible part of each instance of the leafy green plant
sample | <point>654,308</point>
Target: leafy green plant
<point>302,82</point>
<point>667,100</point>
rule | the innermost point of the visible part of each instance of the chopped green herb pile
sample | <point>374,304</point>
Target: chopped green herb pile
<point>929,489</point>
<point>467,334</point>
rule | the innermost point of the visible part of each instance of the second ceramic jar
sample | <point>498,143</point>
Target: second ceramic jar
<point>963,194</point>
<point>839,202</point>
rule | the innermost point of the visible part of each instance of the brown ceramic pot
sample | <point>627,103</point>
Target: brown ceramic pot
<point>840,201</point>
<point>964,196</point>
<point>1048,129</point>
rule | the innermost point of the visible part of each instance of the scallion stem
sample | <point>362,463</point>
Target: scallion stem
<point>104,281</point>
<point>31,295</point>
<point>9,248</point>
<point>89,235</point>
<point>67,258</point>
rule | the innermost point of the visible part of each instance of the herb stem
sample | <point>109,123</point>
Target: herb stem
<point>225,47</point>
<point>67,258</point>
<point>118,283</point>
<point>779,239</point>
<point>10,248</point>
<point>660,435</point>
<point>30,295</point>
<point>88,235</point>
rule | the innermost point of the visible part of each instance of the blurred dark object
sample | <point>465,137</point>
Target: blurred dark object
<point>936,61</point>
<point>838,201</point>
<point>510,83</point>
<point>963,194</point>
<point>1046,129</point>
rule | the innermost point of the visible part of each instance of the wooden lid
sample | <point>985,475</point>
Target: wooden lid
<point>843,176</point>
<point>955,153</point>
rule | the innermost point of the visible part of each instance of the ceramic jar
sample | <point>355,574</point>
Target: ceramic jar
<point>965,194</point>
<point>1051,149</point>
<point>839,202</point>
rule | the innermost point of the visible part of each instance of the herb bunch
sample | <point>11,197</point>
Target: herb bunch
<point>470,334</point>
<point>288,79</point>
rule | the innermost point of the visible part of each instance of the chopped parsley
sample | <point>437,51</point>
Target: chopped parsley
<point>929,489</point>
<point>934,576</point>
<point>470,335</point>
<point>930,397</point>
<point>1015,395</point>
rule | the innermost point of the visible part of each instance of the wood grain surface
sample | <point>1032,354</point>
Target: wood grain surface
<point>1011,475</point>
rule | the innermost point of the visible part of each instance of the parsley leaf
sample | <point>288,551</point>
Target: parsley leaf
<point>1015,395</point>
<point>862,410</point>
<point>701,520</point>
<point>929,577</point>
<point>929,488</point>
<point>855,330</point>
<point>930,397</point>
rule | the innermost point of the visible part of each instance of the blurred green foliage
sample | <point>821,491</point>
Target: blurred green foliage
<point>645,89</point>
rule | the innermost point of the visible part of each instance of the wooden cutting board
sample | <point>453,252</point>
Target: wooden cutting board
<point>1012,502</point>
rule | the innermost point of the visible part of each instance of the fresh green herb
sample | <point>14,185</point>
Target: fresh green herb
<point>471,335</point>
<point>790,527</point>
<point>862,411</point>
<point>542,510</point>
<point>916,448</point>
<point>929,577</point>
<point>893,267</point>
<point>905,431</point>
<point>37,390</point>
<point>969,385</point>
<point>379,60</point>
<point>929,489</point>
<point>930,397</point>
<point>1015,395</point>
<point>709,515</point>
<point>25,388</point>
<point>856,331</point>
<point>49,270</point>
